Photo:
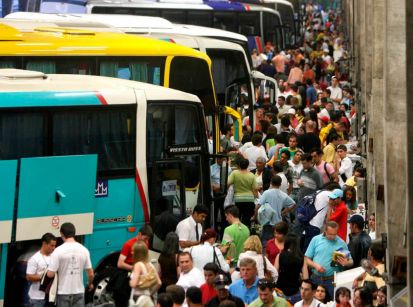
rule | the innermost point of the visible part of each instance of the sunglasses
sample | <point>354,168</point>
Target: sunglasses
<point>265,283</point>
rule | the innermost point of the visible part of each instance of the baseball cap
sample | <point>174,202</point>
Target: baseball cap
<point>221,282</point>
<point>337,193</point>
<point>291,111</point>
<point>356,219</point>
<point>324,119</point>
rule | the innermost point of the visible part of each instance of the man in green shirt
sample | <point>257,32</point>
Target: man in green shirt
<point>234,235</point>
<point>266,296</point>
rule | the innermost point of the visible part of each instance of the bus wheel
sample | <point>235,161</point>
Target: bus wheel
<point>100,293</point>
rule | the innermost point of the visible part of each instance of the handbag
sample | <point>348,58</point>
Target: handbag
<point>45,283</point>
<point>267,273</point>
<point>220,270</point>
<point>147,280</point>
<point>229,199</point>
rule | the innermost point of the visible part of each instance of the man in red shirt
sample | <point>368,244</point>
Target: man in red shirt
<point>208,289</point>
<point>125,260</point>
<point>337,212</point>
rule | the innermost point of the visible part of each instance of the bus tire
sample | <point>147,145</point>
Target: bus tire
<point>100,295</point>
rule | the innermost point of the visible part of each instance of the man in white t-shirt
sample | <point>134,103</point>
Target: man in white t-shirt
<point>69,260</point>
<point>336,92</point>
<point>255,151</point>
<point>190,276</point>
<point>37,266</point>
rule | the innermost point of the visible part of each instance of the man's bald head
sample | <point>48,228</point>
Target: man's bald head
<point>310,126</point>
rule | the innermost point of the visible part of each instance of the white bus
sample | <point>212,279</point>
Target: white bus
<point>258,23</point>
<point>106,154</point>
<point>289,18</point>
<point>231,71</point>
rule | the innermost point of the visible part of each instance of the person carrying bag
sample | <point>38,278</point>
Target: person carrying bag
<point>144,278</point>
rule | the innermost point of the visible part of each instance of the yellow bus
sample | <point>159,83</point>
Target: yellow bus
<point>87,52</point>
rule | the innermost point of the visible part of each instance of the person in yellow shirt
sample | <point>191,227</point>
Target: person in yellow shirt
<point>325,128</point>
<point>329,152</point>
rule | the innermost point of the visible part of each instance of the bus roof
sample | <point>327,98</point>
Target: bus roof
<point>68,88</point>
<point>28,25</point>
<point>281,2</point>
<point>126,23</point>
<point>206,5</point>
<point>66,41</point>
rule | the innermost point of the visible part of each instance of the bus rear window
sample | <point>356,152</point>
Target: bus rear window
<point>192,75</point>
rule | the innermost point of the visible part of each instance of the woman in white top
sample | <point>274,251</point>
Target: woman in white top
<point>142,266</point>
<point>253,249</point>
<point>204,252</point>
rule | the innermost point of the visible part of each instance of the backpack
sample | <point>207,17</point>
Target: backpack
<point>306,208</point>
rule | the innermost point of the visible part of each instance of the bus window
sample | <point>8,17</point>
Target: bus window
<point>195,79</point>
<point>143,12</point>
<point>199,18</point>
<point>176,16</point>
<point>45,66</point>
<point>21,135</point>
<point>225,21</point>
<point>108,132</point>
<point>170,124</point>
<point>271,32</point>
<point>150,70</point>
<point>177,125</point>
<point>83,66</point>
<point>4,63</point>
<point>249,23</point>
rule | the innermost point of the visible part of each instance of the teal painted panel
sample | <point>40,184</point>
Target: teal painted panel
<point>8,171</point>
<point>106,241</point>
<point>41,178</point>
<point>3,269</point>
<point>122,201</point>
<point>39,99</point>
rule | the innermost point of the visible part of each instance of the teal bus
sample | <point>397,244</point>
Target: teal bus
<point>108,155</point>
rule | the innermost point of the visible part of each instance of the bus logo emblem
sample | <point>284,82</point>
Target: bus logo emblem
<point>55,222</point>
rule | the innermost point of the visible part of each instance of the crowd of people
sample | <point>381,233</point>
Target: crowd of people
<point>290,221</point>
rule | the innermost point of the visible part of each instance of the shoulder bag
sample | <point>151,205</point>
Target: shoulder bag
<point>220,270</point>
<point>267,273</point>
<point>147,279</point>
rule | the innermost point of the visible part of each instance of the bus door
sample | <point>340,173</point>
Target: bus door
<point>55,190</point>
<point>7,192</point>
<point>168,193</point>
<point>42,193</point>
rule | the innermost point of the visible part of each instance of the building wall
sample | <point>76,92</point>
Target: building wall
<point>377,31</point>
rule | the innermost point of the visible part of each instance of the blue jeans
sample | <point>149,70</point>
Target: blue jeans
<point>71,300</point>
<point>310,233</point>
<point>37,303</point>
<point>294,298</point>
<point>266,234</point>
<point>327,282</point>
